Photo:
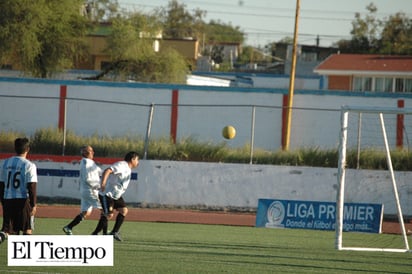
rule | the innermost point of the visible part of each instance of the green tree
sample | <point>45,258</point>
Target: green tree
<point>41,37</point>
<point>101,10</point>
<point>371,35</point>
<point>364,33</point>
<point>217,31</point>
<point>365,30</point>
<point>253,55</point>
<point>180,23</point>
<point>396,37</point>
<point>130,46</point>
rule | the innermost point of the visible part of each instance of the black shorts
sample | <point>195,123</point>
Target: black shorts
<point>109,204</point>
<point>16,215</point>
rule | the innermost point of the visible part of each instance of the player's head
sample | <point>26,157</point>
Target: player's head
<point>132,158</point>
<point>87,151</point>
<point>21,145</point>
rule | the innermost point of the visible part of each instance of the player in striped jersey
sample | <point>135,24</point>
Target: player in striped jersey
<point>18,185</point>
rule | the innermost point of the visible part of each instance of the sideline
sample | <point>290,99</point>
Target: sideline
<point>154,215</point>
<point>179,216</point>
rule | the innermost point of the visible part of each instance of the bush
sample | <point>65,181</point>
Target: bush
<point>50,141</point>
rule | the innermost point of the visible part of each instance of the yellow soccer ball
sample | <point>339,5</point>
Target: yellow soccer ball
<point>229,132</point>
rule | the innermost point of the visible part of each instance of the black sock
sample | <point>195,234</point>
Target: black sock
<point>76,221</point>
<point>105,224</point>
<point>101,225</point>
<point>119,222</point>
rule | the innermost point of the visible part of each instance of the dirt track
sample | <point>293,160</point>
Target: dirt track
<point>177,216</point>
<point>158,215</point>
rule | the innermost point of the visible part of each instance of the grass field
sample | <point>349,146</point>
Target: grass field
<point>191,248</point>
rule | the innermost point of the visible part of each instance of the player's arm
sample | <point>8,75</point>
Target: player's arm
<point>105,176</point>
<point>32,189</point>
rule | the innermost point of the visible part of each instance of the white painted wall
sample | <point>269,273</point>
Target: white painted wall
<point>239,185</point>
<point>123,109</point>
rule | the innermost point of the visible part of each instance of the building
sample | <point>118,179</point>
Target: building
<point>98,58</point>
<point>307,57</point>
<point>367,72</point>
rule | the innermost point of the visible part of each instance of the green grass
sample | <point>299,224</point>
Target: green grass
<point>190,248</point>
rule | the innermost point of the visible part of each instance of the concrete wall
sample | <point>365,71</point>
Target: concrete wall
<point>118,109</point>
<point>218,185</point>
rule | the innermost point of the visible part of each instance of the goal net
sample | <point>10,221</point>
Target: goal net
<point>367,133</point>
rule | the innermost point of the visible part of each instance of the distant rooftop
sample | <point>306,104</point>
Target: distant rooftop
<point>368,63</point>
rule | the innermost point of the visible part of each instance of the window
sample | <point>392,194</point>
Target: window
<point>399,85</point>
<point>383,84</point>
<point>403,85</point>
<point>308,56</point>
<point>408,85</point>
<point>362,84</point>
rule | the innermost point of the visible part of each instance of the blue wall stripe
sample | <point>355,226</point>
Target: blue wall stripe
<point>206,88</point>
<point>65,173</point>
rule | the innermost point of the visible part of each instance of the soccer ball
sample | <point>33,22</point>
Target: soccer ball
<point>229,132</point>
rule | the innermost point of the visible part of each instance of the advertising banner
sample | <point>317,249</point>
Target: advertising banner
<point>359,217</point>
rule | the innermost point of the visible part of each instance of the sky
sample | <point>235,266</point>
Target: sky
<point>266,21</point>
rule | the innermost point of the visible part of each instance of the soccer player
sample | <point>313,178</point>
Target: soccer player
<point>89,188</point>
<point>114,182</point>
<point>18,185</point>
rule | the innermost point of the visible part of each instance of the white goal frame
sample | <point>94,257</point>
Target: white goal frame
<point>341,174</point>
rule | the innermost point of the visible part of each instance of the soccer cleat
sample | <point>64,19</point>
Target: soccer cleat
<point>3,236</point>
<point>67,230</point>
<point>116,236</point>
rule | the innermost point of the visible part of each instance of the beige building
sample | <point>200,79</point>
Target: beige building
<point>98,58</point>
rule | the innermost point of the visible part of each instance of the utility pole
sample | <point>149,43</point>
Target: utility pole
<point>292,81</point>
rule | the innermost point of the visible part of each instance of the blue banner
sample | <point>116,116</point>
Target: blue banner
<point>359,217</point>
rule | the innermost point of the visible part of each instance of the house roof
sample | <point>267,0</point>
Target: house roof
<point>365,64</point>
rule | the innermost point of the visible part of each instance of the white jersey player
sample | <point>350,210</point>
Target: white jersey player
<point>115,180</point>
<point>89,188</point>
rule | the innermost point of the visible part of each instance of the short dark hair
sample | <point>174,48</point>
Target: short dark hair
<point>130,155</point>
<point>21,145</point>
<point>84,150</point>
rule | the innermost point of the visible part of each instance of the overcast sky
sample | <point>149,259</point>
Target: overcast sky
<point>266,21</point>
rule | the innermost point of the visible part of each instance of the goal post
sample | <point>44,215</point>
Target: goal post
<point>341,175</point>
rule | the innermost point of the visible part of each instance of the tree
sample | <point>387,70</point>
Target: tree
<point>130,46</point>
<point>364,34</point>
<point>41,37</point>
<point>396,37</point>
<point>101,10</point>
<point>217,31</point>
<point>178,22</point>
<point>365,31</point>
<point>370,35</point>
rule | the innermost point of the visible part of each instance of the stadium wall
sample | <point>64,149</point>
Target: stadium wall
<point>181,111</point>
<point>226,186</point>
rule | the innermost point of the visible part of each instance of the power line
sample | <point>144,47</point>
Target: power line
<point>232,10</point>
<point>289,11</point>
